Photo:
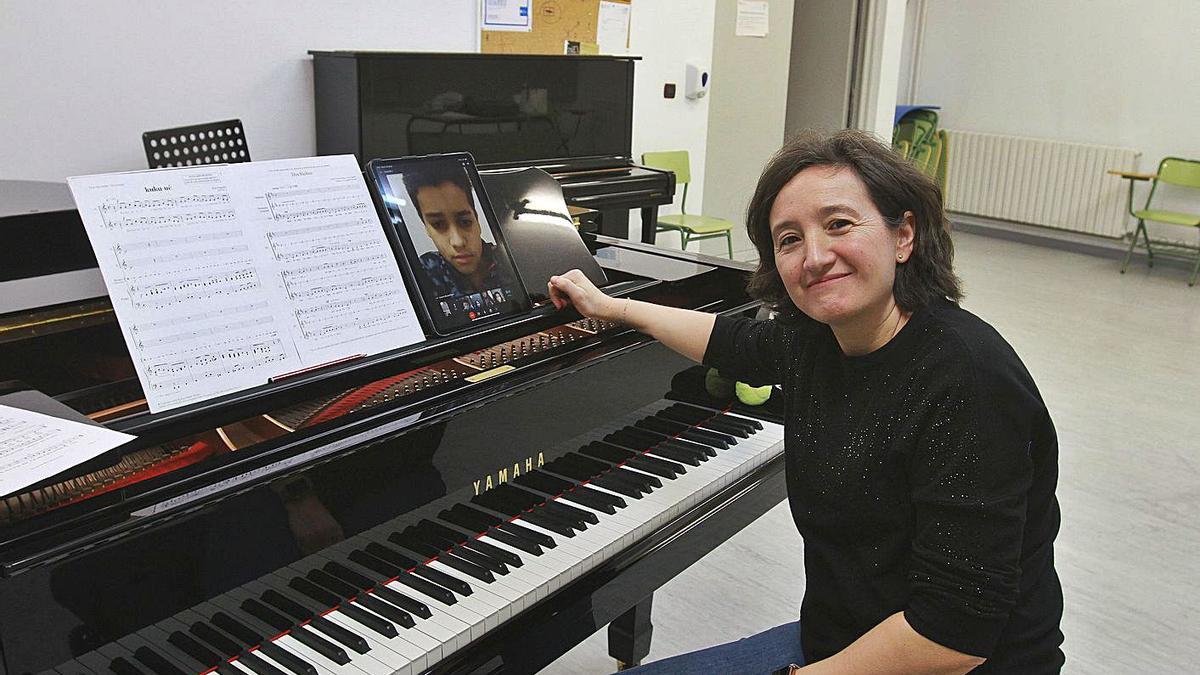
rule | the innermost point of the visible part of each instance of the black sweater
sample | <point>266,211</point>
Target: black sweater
<point>921,477</point>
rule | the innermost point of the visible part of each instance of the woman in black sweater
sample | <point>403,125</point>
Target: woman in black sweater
<point>921,461</point>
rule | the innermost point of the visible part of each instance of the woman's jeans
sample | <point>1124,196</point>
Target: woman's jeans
<point>759,654</point>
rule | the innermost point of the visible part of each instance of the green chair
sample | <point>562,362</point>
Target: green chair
<point>1172,171</point>
<point>690,227</point>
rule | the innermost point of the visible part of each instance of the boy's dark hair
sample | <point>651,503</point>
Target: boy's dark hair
<point>433,174</point>
<point>895,186</point>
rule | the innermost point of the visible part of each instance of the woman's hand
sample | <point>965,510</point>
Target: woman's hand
<point>575,289</point>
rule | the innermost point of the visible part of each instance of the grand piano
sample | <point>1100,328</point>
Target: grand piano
<point>480,503</point>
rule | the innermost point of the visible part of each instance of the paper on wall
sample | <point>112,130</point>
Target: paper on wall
<point>612,27</point>
<point>506,15</point>
<point>752,18</point>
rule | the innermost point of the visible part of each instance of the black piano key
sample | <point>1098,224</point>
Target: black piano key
<point>120,666</point>
<point>547,522</point>
<point>620,487</point>
<point>156,662</point>
<point>471,553</point>
<point>678,430</point>
<point>214,638</point>
<point>520,543</point>
<point>557,507</point>
<point>752,423</point>
<point>411,536</point>
<point>439,593</point>
<point>702,449</point>
<point>443,531</point>
<point>250,637</point>
<point>641,439</point>
<point>391,555</point>
<point>682,428</point>
<point>444,580</point>
<point>375,623</point>
<point>615,454</point>
<point>330,629</point>
<point>186,644</point>
<point>386,610</point>
<point>487,518</point>
<point>390,595</point>
<point>240,631</point>
<point>503,556</point>
<point>590,500</point>
<point>712,422</point>
<point>652,482</point>
<point>689,414</point>
<point>636,438</point>
<point>265,614</point>
<point>675,454</point>
<point>333,584</point>
<point>321,595</point>
<point>415,544</point>
<point>383,568</point>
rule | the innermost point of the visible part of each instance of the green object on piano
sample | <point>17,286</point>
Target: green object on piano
<point>753,395</point>
<point>718,387</point>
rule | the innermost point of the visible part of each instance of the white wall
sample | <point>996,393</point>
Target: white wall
<point>1098,71</point>
<point>669,34</point>
<point>81,81</point>
<point>746,120</point>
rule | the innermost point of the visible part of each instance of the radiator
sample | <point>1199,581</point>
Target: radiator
<point>1038,181</point>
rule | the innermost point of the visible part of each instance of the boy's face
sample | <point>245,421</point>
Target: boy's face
<point>451,222</point>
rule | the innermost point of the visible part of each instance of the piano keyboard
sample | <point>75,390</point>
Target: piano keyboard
<point>402,597</point>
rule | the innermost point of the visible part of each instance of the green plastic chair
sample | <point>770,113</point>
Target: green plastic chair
<point>1173,171</point>
<point>690,227</point>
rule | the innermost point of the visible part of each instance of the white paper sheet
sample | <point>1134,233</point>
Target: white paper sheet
<point>510,15</point>
<point>612,27</point>
<point>34,447</point>
<point>225,276</point>
<point>752,18</point>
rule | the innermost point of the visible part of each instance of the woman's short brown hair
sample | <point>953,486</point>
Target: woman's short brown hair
<point>895,186</point>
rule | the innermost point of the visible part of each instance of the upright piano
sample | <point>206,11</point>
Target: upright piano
<point>480,503</point>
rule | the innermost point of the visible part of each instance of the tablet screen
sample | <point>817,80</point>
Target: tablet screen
<point>447,230</point>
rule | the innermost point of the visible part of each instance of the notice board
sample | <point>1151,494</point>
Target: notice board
<point>554,23</point>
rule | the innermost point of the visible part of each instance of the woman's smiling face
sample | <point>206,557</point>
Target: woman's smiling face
<point>834,252</point>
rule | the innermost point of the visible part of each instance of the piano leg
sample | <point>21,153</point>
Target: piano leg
<point>629,635</point>
<point>649,223</point>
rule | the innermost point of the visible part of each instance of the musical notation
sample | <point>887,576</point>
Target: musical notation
<point>222,277</point>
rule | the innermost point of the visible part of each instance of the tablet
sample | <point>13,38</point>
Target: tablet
<point>443,226</point>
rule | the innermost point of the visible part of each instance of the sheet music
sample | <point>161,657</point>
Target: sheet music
<point>225,276</point>
<point>34,447</point>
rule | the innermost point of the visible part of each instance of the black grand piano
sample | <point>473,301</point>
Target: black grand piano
<point>480,503</point>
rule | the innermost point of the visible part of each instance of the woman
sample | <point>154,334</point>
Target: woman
<point>921,461</point>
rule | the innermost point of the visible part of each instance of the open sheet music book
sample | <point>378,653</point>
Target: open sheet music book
<point>223,277</point>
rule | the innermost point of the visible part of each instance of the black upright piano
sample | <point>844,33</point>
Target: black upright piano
<point>571,116</point>
<point>479,503</point>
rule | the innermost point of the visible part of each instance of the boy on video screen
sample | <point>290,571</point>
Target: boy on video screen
<point>464,263</point>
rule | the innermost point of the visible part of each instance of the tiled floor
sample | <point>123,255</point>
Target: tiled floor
<point>1117,359</point>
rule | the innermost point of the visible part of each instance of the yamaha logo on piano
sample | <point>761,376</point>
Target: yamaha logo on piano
<point>503,475</point>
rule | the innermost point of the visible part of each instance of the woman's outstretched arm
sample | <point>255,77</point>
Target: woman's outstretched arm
<point>682,330</point>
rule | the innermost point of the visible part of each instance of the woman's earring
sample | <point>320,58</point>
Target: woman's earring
<point>900,257</point>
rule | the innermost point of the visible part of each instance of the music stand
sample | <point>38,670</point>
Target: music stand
<point>198,144</point>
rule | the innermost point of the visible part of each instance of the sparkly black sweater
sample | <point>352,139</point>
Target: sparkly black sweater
<point>921,477</point>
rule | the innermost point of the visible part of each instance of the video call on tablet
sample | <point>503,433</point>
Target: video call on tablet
<point>451,248</point>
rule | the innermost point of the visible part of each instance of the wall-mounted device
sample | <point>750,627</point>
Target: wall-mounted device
<point>696,82</point>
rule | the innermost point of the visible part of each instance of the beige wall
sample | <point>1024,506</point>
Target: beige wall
<point>745,116</point>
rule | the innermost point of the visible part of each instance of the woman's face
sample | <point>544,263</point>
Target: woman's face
<point>834,252</point>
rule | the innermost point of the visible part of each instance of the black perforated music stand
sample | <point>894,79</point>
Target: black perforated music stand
<point>198,144</point>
